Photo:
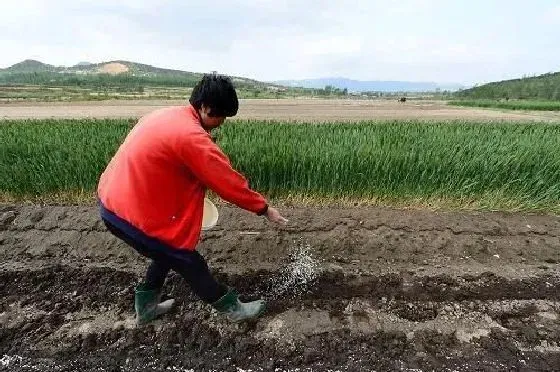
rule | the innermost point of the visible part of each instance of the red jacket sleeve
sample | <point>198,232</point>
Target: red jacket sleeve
<point>213,168</point>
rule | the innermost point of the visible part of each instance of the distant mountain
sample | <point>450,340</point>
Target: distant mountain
<point>19,73</point>
<point>118,67</point>
<point>369,86</point>
<point>30,65</point>
<point>111,67</point>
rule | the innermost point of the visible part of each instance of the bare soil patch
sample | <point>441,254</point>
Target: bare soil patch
<point>347,289</point>
<point>113,68</point>
<point>282,109</point>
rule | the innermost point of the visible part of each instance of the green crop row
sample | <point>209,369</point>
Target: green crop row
<point>488,164</point>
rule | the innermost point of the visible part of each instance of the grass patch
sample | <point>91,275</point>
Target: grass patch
<point>509,105</point>
<point>463,165</point>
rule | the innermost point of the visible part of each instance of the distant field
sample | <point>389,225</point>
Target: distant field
<point>36,93</point>
<point>286,109</point>
<point>482,164</point>
<point>510,105</point>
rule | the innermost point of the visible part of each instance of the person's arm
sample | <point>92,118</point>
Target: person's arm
<point>213,168</point>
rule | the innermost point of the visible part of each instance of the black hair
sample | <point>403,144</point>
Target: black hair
<point>216,92</point>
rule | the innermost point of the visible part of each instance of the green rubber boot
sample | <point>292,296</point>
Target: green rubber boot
<point>236,310</point>
<point>147,305</point>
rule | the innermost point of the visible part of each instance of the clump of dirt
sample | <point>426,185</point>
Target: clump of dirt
<point>417,312</point>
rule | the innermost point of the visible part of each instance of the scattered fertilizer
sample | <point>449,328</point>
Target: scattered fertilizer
<point>297,276</point>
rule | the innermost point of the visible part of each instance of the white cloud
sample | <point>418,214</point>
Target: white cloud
<point>435,40</point>
<point>334,45</point>
<point>552,16</point>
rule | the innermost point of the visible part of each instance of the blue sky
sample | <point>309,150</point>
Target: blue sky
<point>416,40</point>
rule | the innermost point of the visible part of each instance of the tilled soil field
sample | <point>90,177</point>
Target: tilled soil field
<point>348,289</point>
<point>305,110</point>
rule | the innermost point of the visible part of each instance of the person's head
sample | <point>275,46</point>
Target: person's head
<point>214,98</point>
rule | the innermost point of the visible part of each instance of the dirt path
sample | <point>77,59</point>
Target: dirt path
<point>348,290</point>
<point>284,109</point>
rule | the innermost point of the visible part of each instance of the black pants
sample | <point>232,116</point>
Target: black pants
<point>189,264</point>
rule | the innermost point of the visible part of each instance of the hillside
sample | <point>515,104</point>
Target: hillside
<point>126,73</point>
<point>36,72</point>
<point>544,87</point>
<point>32,80</point>
<point>29,65</point>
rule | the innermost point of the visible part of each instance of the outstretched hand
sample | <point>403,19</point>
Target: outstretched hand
<point>274,216</point>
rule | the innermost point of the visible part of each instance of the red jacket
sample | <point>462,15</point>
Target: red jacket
<point>157,179</point>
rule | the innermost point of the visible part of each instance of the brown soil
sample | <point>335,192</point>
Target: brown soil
<point>113,68</point>
<point>347,289</point>
<point>283,109</point>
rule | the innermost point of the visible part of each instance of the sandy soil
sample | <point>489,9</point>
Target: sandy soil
<point>113,68</point>
<point>347,290</point>
<point>284,109</point>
